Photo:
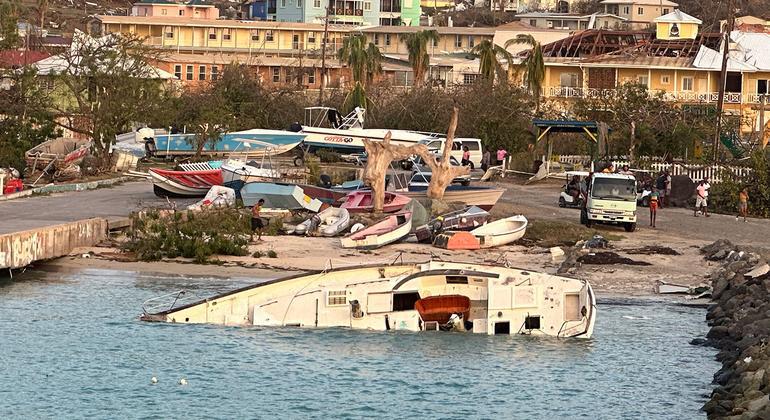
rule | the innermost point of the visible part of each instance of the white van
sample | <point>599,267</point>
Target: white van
<point>474,147</point>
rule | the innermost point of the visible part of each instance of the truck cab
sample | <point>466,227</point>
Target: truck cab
<point>611,200</point>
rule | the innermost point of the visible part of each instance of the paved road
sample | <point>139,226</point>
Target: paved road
<point>540,201</point>
<point>112,202</point>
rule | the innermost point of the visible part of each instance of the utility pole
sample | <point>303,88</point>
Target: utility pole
<point>323,56</point>
<point>723,75</point>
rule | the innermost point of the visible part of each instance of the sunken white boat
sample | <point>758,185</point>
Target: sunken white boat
<point>435,295</point>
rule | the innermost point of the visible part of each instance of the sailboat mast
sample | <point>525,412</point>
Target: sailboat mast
<point>323,56</point>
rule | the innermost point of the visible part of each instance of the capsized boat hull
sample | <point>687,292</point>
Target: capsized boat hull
<point>503,300</point>
<point>278,196</point>
<point>482,197</point>
<point>184,183</point>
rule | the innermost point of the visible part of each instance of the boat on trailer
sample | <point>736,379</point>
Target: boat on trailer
<point>435,295</point>
<point>167,183</point>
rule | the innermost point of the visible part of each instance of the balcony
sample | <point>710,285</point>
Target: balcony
<point>688,97</point>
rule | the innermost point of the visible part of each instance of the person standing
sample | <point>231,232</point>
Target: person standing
<point>668,188</point>
<point>743,204</point>
<point>654,197</point>
<point>466,160</point>
<point>256,220</point>
<point>660,185</point>
<point>701,198</point>
<point>609,170</point>
<point>485,158</point>
<point>501,154</point>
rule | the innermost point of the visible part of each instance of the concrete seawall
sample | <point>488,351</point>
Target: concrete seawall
<point>20,249</point>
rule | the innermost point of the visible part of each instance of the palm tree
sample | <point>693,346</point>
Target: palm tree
<point>365,62</point>
<point>489,65</point>
<point>533,65</point>
<point>417,45</point>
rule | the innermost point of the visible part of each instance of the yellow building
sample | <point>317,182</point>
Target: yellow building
<point>451,39</point>
<point>189,35</point>
<point>676,25</point>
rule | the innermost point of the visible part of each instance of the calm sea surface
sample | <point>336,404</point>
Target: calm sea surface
<point>71,347</point>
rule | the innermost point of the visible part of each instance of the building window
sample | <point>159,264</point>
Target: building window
<point>269,35</point>
<point>471,42</point>
<point>212,33</point>
<point>763,87</point>
<point>336,298</point>
<point>533,22</point>
<point>469,78</point>
<point>687,83</point>
<point>178,71</point>
<point>387,39</point>
<point>626,10</point>
<point>214,73</point>
<point>665,79</point>
<point>255,35</point>
<point>317,4</point>
<point>640,11</point>
<point>169,31</point>
<point>181,13</point>
<point>311,37</point>
<point>189,72</point>
<point>376,39</point>
<point>299,3</point>
<point>458,41</point>
<point>276,74</point>
<point>201,72</point>
<point>311,77</point>
<point>226,34</point>
<point>569,80</point>
<point>643,80</point>
<point>164,12</point>
<point>666,10</point>
<point>367,6</point>
<point>283,3</point>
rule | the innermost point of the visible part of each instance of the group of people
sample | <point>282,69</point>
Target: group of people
<point>486,158</point>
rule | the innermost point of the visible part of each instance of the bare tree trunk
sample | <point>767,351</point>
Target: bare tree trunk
<point>633,142</point>
<point>379,156</point>
<point>443,172</point>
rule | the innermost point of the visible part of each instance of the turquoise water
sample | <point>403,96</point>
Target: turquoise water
<point>71,347</point>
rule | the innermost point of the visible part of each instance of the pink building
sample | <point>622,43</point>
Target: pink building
<point>196,9</point>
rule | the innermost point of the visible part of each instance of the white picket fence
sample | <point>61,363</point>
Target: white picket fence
<point>715,173</point>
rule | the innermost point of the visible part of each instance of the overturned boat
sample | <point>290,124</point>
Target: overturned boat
<point>167,183</point>
<point>435,295</point>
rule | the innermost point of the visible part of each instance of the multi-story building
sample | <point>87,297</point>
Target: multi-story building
<point>573,21</point>
<point>640,14</point>
<point>196,9</point>
<point>677,62</point>
<point>341,12</point>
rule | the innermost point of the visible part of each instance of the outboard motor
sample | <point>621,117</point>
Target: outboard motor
<point>149,147</point>
<point>325,181</point>
<point>335,119</point>
<point>295,127</point>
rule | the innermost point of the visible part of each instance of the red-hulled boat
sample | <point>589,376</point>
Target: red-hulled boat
<point>184,183</point>
<point>440,308</point>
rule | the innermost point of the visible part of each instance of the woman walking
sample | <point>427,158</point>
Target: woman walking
<point>654,197</point>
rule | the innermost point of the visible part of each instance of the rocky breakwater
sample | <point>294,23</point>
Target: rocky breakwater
<point>740,329</point>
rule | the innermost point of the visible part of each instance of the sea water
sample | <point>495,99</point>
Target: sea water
<point>71,346</point>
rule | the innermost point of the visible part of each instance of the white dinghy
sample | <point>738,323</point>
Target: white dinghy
<point>501,232</point>
<point>436,295</point>
<point>330,222</point>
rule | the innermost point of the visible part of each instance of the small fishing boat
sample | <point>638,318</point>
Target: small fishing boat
<point>482,197</point>
<point>278,196</point>
<point>326,195</point>
<point>362,202</point>
<point>330,222</point>
<point>247,144</point>
<point>501,232</point>
<point>466,219</point>
<point>419,297</point>
<point>167,183</point>
<point>388,230</point>
<point>57,153</point>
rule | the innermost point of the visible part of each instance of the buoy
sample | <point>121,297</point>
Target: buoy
<point>183,381</point>
<point>154,380</point>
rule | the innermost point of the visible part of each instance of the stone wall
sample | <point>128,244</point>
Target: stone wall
<point>740,329</point>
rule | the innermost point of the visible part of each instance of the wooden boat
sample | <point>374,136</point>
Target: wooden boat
<point>466,219</point>
<point>58,153</point>
<point>247,144</point>
<point>388,230</point>
<point>501,232</point>
<point>326,195</point>
<point>482,197</point>
<point>184,183</point>
<point>503,300</point>
<point>278,196</point>
<point>362,201</point>
<point>330,222</point>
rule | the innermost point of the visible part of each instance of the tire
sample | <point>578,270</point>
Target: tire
<point>646,202</point>
<point>299,161</point>
<point>630,227</point>
<point>562,203</point>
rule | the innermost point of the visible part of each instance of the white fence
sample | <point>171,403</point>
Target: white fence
<point>715,173</point>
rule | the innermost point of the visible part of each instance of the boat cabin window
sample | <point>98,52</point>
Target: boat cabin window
<point>502,328</point>
<point>532,323</point>
<point>405,301</point>
<point>336,298</point>
<point>456,280</point>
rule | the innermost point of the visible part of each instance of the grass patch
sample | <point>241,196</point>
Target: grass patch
<point>272,254</point>
<point>257,254</point>
<point>551,233</point>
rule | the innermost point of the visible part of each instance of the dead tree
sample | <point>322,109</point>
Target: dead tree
<point>381,153</point>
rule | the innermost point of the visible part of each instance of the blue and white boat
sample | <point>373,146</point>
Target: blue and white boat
<point>247,144</point>
<point>278,196</point>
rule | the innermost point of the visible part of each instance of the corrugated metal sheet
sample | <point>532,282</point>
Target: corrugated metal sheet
<point>19,249</point>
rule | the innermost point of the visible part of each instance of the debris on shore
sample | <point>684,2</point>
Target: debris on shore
<point>740,329</point>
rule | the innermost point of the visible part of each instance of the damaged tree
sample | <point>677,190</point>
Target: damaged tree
<point>380,154</point>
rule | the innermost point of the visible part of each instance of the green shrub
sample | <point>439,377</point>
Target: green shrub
<point>723,197</point>
<point>272,254</point>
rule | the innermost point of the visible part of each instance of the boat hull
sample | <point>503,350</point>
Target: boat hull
<point>231,144</point>
<point>387,231</point>
<point>352,139</point>
<point>485,198</point>
<point>278,196</point>
<point>62,152</point>
<point>184,183</point>
<point>501,232</point>
<point>362,202</point>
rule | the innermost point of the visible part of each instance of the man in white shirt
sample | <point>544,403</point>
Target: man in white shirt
<point>701,197</point>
